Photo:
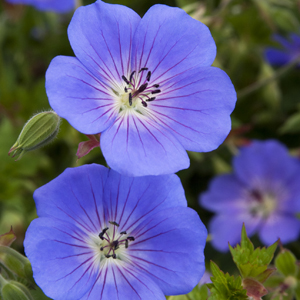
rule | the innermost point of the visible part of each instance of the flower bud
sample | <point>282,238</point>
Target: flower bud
<point>13,290</point>
<point>40,130</point>
<point>285,262</point>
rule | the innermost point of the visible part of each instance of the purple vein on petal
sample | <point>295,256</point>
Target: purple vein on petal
<point>75,269</point>
<point>124,206</point>
<point>83,209</point>
<point>76,282</point>
<point>93,286</point>
<point>120,44</point>
<point>112,58</point>
<point>107,111</point>
<point>128,218</point>
<point>95,202</point>
<point>84,225</point>
<point>140,138</point>
<point>121,121</point>
<point>74,255</point>
<point>69,244</point>
<point>96,108</point>
<point>128,281</point>
<point>152,237</point>
<point>152,263</point>
<point>103,84</point>
<point>116,286</point>
<point>152,133</point>
<point>156,79</point>
<point>146,214</point>
<point>148,229</point>
<point>117,201</point>
<point>104,282</point>
<point>70,235</point>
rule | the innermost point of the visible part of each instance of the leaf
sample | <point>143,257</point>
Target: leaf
<point>252,262</point>
<point>292,124</point>
<point>285,262</point>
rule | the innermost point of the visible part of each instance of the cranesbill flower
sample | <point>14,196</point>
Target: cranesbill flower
<point>145,84</point>
<point>59,6</point>
<point>101,235</point>
<point>288,51</point>
<point>263,192</point>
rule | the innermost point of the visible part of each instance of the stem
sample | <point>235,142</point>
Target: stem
<point>261,83</point>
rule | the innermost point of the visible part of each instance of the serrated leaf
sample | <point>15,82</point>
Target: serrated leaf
<point>265,275</point>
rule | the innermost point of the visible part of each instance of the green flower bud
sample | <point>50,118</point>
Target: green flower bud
<point>14,290</point>
<point>285,262</point>
<point>40,130</point>
<point>16,263</point>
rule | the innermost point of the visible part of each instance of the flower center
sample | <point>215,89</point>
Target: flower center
<point>138,90</point>
<point>262,204</point>
<point>113,242</point>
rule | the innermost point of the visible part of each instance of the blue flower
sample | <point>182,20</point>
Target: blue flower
<point>263,192</point>
<point>59,6</point>
<point>289,51</point>
<point>101,235</point>
<point>145,84</point>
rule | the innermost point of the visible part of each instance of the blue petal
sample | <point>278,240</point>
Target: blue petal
<point>75,196</point>
<point>169,247</point>
<point>62,262</point>
<point>264,162</point>
<point>137,146</point>
<point>101,37</point>
<point>78,96</point>
<point>227,228</point>
<point>123,282</point>
<point>129,200</point>
<point>277,57</point>
<point>283,226</point>
<point>195,106</point>
<point>169,41</point>
<point>226,194</point>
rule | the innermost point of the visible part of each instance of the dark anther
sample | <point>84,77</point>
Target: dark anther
<point>113,223</point>
<point>142,88</point>
<point>123,232</point>
<point>144,103</point>
<point>143,69</point>
<point>101,234</point>
<point>130,238</point>
<point>256,195</point>
<point>125,89</point>
<point>125,79</point>
<point>108,256</point>
<point>156,92</point>
<point>126,244</point>
<point>101,249</point>
<point>131,76</point>
<point>115,244</point>
<point>156,85</point>
<point>130,99</point>
<point>114,256</point>
<point>151,99</point>
<point>148,76</point>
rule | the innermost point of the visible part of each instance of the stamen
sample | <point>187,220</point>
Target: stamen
<point>130,99</point>
<point>131,76</point>
<point>125,79</point>
<point>101,234</point>
<point>123,232</point>
<point>142,88</point>
<point>150,99</point>
<point>148,76</point>
<point>115,244</point>
<point>156,92</point>
<point>156,85</point>
<point>130,238</point>
<point>144,103</point>
<point>108,256</point>
<point>126,244</point>
<point>125,89</point>
<point>143,69</point>
<point>113,223</point>
<point>114,256</point>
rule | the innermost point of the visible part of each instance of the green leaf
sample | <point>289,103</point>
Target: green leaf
<point>224,286</point>
<point>252,262</point>
<point>285,262</point>
<point>292,124</point>
<point>198,293</point>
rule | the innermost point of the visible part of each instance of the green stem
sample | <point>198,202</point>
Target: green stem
<point>259,84</point>
<point>14,253</point>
